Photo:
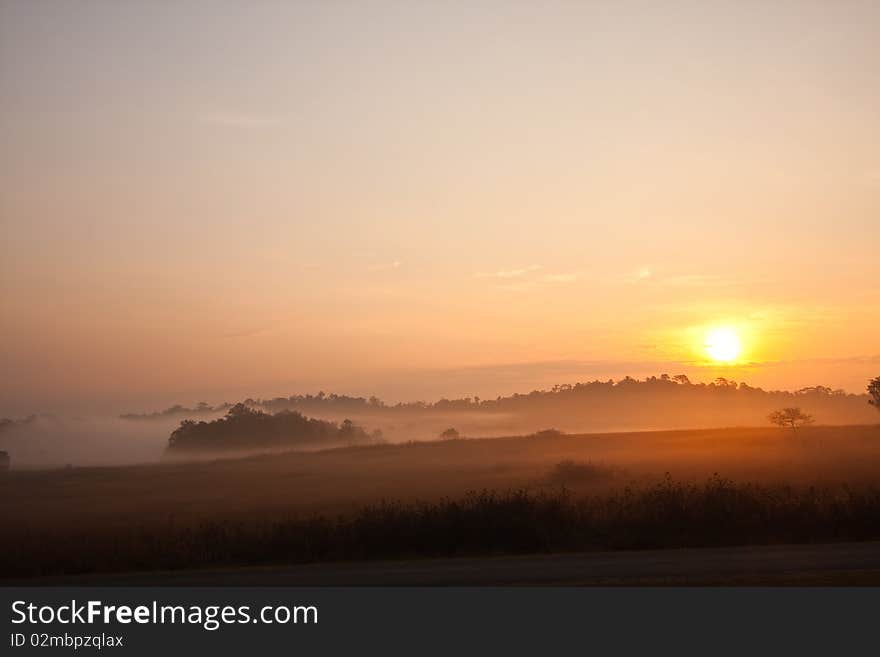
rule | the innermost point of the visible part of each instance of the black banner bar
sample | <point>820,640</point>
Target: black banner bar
<point>450,621</point>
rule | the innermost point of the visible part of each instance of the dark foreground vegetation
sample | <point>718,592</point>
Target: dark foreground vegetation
<point>667,514</point>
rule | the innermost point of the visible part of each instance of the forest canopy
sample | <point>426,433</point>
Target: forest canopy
<point>244,428</point>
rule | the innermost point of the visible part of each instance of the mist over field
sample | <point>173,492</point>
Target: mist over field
<point>48,441</point>
<point>325,477</point>
<point>628,405</point>
<point>529,494</point>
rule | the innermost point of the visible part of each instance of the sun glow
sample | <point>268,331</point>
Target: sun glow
<point>723,344</point>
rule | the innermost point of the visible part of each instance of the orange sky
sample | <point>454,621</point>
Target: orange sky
<point>210,200</point>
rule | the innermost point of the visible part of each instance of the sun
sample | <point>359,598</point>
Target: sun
<point>723,344</point>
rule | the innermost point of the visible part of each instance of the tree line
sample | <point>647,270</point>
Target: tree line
<point>322,401</point>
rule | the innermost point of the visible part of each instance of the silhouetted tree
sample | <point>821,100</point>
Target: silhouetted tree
<point>348,429</point>
<point>241,410</point>
<point>874,392</point>
<point>790,417</point>
<point>450,434</point>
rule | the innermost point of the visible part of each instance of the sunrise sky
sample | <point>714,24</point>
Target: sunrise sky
<point>202,200</point>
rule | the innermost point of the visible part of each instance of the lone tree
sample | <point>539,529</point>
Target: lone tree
<point>790,417</point>
<point>874,392</point>
<point>450,434</point>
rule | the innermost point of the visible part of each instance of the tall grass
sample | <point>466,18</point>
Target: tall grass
<point>662,515</point>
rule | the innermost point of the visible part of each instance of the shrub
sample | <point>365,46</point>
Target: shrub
<point>569,473</point>
<point>547,433</point>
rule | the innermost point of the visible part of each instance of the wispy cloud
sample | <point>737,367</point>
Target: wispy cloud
<point>693,280</point>
<point>647,275</point>
<point>543,281</point>
<point>522,279</point>
<point>384,266</point>
<point>508,273</point>
<point>847,360</point>
<point>519,286</point>
<point>559,278</point>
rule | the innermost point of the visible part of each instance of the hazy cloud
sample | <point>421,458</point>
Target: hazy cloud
<point>693,280</point>
<point>508,273</point>
<point>684,280</point>
<point>384,266</point>
<point>559,278</point>
<point>648,275</point>
<point>519,286</point>
<point>548,279</point>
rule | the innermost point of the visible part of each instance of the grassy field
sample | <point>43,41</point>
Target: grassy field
<point>658,489</point>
